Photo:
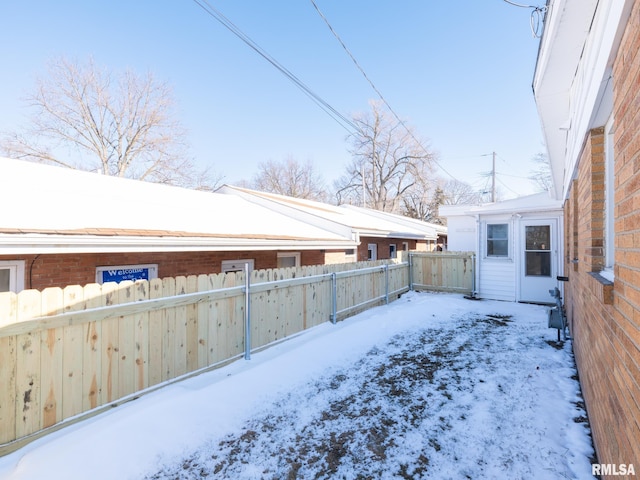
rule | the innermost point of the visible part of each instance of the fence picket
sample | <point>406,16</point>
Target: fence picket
<point>51,361</point>
<point>28,372</point>
<point>141,326</point>
<point>91,352</point>
<point>8,364</point>
<point>169,329</point>
<point>73,297</point>
<point>156,335</point>
<point>203,315</point>
<point>126,342</point>
<point>109,345</point>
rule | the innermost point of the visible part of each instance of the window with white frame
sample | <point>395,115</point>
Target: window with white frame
<point>11,275</point>
<point>609,246</point>
<point>497,240</point>
<point>236,265</point>
<point>393,250</point>
<point>288,260</point>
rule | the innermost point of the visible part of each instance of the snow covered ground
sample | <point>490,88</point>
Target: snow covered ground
<point>430,386</point>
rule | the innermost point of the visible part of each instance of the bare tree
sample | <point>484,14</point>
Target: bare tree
<point>387,162</point>
<point>86,118</point>
<point>457,192</point>
<point>541,175</point>
<point>290,177</point>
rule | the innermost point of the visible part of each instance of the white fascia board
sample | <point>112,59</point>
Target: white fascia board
<point>389,234</point>
<point>22,244</point>
<point>590,84</point>
<point>578,46</point>
<point>290,211</point>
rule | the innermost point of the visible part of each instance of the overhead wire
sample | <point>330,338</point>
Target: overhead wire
<point>342,120</point>
<point>375,89</point>
<point>537,16</point>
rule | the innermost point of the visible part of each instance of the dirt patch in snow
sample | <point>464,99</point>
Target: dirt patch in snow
<point>402,411</point>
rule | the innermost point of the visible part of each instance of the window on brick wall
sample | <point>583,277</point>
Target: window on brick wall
<point>609,246</point>
<point>288,260</point>
<point>229,266</point>
<point>11,276</point>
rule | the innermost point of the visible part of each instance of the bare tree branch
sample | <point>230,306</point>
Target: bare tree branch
<point>291,178</point>
<point>85,118</point>
<point>388,162</point>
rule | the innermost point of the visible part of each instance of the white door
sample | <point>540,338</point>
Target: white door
<point>372,251</point>
<point>539,248</point>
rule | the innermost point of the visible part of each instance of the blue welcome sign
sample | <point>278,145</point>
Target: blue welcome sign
<point>128,272</point>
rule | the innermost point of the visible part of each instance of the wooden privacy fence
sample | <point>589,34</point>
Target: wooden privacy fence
<point>72,352</point>
<point>443,271</point>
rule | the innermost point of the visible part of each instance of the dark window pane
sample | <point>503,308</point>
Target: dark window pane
<point>498,240</point>
<point>538,264</point>
<point>538,237</point>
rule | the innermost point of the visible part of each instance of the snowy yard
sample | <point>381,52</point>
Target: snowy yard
<point>431,386</point>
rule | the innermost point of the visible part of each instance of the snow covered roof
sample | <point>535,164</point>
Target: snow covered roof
<point>363,221</point>
<point>50,209</point>
<point>538,202</point>
<point>428,227</point>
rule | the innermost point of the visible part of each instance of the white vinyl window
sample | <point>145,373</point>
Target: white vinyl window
<point>236,265</point>
<point>11,275</point>
<point>498,240</point>
<point>289,260</point>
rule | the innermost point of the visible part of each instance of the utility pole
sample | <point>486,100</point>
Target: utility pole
<point>364,192</point>
<point>493,179</point>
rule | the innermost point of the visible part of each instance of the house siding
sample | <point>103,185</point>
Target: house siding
<point>497,274</point>
<point>605,318</point>
<point>60,270</point>
<point>497,280</point>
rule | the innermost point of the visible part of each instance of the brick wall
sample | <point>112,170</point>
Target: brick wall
<point>60,270</point>
<point>605,317</point>
<point>383,246</point>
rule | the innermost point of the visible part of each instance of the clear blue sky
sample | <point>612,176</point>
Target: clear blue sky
<point>458,71</point>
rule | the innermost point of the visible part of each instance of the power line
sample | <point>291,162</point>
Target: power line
<point>537,16</point>
<point>384,100</point>
<point>343,121</point>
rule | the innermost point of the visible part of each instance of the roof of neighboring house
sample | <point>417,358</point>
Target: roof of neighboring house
<point>363,221</point>
<point>538,202</point>
<point>412,222</point>
<point>51,209</point>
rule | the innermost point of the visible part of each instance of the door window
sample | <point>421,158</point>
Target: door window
<point>538,250</point>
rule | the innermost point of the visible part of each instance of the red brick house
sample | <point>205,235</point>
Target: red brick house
<point>587,89</point>
<point>62,227</point>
